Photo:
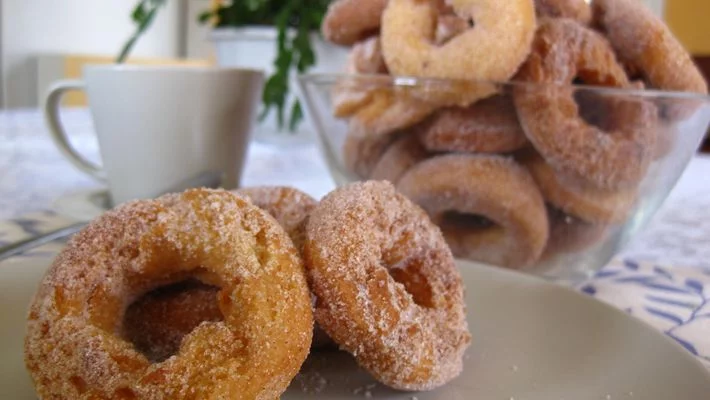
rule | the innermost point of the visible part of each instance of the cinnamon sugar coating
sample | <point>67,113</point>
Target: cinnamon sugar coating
<point>387,287</point>
<point>614,151</point>
<point>488,126</point>
<point>487,206</point>
<point>73,348</point>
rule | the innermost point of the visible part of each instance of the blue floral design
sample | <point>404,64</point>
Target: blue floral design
<point>676,302</point>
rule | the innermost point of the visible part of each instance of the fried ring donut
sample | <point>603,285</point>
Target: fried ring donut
<point>454,188</point>
<point>492,50</point>
<point>611,157</point>
<point>389,110</point>
<point>488,126</point>
<point>349,21</point>
<point>71,347</point>
<point>158,321</point>
<point>289,206</point>
<point>387,287</point>
<point>578,199</point>
<point>361,154</point>
<point>644,41</point>
<point>578,10</point>
<point>571,235</point>
<point>351,94</point>
<point>398,158</point>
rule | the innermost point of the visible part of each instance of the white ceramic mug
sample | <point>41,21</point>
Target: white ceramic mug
<point>158,126</point>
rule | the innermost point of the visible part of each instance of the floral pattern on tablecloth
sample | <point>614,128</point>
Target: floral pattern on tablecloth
<point>674,300</point>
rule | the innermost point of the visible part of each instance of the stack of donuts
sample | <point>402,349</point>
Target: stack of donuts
<point>210,294</point>
<point>513,162</point>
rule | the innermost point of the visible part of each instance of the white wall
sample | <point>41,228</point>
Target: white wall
<point>197,43</point>
<point>29,27</point>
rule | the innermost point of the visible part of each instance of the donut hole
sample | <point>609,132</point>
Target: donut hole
<point>78,383</point>
<point>457,221</point>
<point>594,109</point>
<point>414,280</point>
<point>125,393</point>
<point>157,321</point>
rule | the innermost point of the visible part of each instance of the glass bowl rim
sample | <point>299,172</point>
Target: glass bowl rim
<point>329,78</point>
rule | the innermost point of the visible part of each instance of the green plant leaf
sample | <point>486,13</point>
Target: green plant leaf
<point>143,15</point>
<point>139,12</point>
<point>205,16</point>
<point>296,116</point>
<point>293,51</point>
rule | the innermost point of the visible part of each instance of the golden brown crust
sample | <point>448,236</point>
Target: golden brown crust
<point>157,322</point>
<point>290,207</point>
<point>491,49</point>
<point>611,157</point>
<point>71,349</point>
<point>386,285</point>
<point>453,187</point>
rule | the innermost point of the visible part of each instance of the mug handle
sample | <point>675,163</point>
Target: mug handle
<point>59,135</point>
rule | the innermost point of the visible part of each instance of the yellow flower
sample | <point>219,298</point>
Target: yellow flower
<point>215,5</point>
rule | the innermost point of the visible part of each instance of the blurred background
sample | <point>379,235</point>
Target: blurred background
<point>45,40</point>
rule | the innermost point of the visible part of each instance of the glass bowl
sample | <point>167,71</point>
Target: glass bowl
<point>548,179</point>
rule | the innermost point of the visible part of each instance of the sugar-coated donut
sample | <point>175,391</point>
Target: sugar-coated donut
<point>387,287</point>
<point>352,93</point>
<point>389,110</point>
<point>612,153</point>
<point>361,154</point>
<point>349,21</point>
<point>289,206</point>
<point>72,349</point>
<point>157,322</point>
<point>401,155</point>
<point>487,126</point>
<point>645,42</point>
<point>579,199</point>
<point>496,43</point>
<point>488,207</point>
<point>578,10</point>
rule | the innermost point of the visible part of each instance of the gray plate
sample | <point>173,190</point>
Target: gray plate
<point>531,340</point>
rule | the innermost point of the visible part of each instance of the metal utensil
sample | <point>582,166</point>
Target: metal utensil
<point>206,179</point>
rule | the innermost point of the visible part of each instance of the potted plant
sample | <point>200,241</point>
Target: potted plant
<point>281,37</point>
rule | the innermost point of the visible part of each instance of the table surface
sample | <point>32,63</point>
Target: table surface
<point>662,277</point>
